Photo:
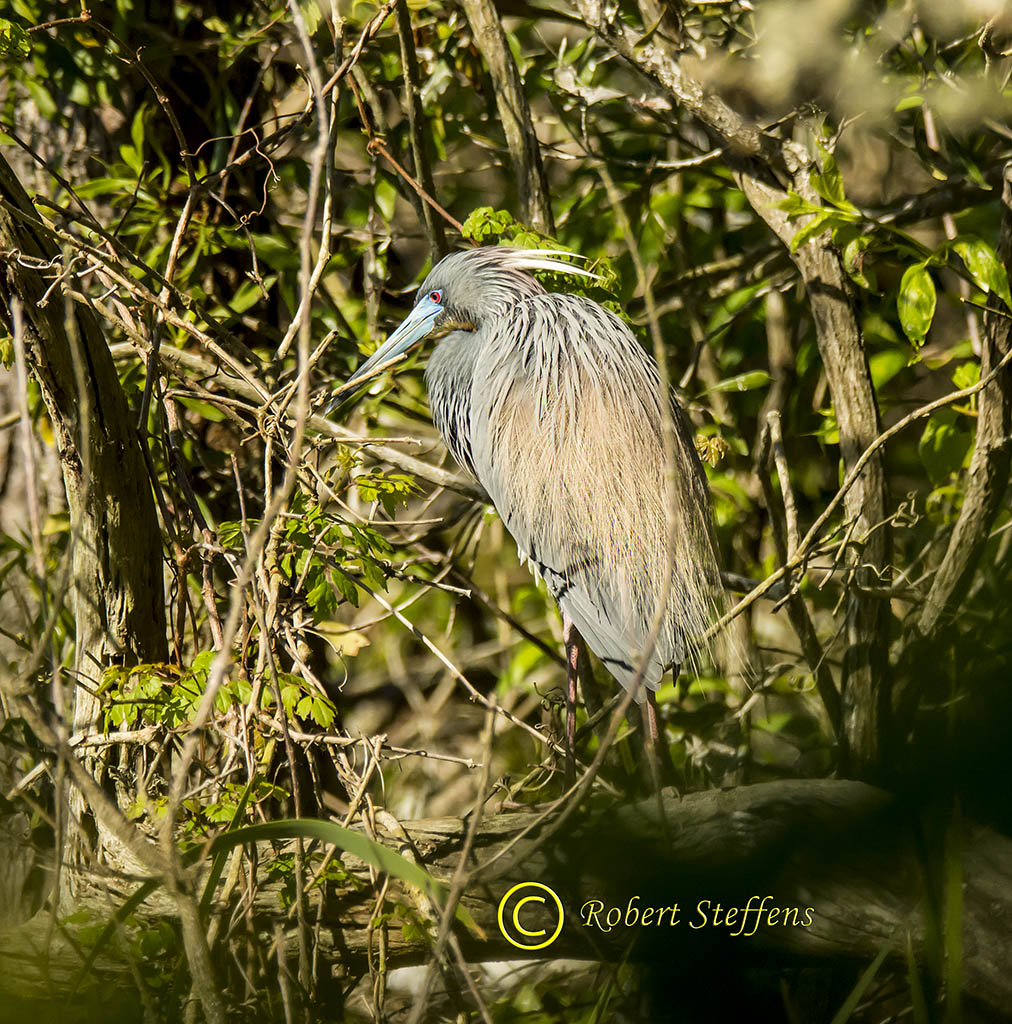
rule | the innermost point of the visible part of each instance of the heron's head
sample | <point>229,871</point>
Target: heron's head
<point>462,291</point>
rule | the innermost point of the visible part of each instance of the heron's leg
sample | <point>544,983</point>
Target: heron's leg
<point>571,638</point>
<point>652,729</point>
<point>658,754</point>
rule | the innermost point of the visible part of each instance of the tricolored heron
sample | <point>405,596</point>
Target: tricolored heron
<point>550,401</point>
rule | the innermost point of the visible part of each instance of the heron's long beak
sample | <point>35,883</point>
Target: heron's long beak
<point>412,331</point>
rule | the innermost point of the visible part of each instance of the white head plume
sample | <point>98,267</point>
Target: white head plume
<point>544,259</point>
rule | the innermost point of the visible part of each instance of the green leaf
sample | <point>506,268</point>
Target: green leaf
<point>137,130</point>
<point>132,158</point>
<point>365,849</point>
<point>378,856</point>
<point>916,302</point>
<point>966,375</point>
<point>346,588</point>
<point>322,711</point>
<point>321,598</point>
<point>743,382</point>
<point>372,573</point>
<point>829,184</point>
<point>204,409</point>
<point>885,365</point>
<point>918,1003</point>
<point>289,697</point>
<point>829,429</point>
<point>123,714</point>
<point>485,224</point>
<point>218,859</point>
<point>202,663</point>
<point>943,445</point>
<point>241,691</point>
<point>794,205</point>
<point>230,534</point>
<point>311,15</point>
<point>876,326</point>
<point>850,1004</point>
<point>853,261</point>
<point>15,43</point>
<point>386,199</point>
<point>248,295</point>
<point>985,268</point>
<point>815,226</point>
<point>110,186</point>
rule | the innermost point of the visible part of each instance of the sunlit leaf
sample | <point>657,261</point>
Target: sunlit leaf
<point>966,375</point>
<point>916,302</point>
<point>818,224</point>
<point>367,850</point>
<point>984,267</point>
<point>207,411</point>
<point>885,365</point>
<point>829,182</point>
<point>386,199</point>
<point>346,588</point>
<point>743,382</point>
<point>15,43</point>
<point>853,261</point>
<point>794,205</point>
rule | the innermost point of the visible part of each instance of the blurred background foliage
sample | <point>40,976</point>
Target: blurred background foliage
<point>134,119</point>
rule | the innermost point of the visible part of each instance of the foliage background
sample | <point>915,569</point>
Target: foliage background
<point>196,191</point>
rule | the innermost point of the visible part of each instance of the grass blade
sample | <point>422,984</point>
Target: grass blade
<point>868,976</point>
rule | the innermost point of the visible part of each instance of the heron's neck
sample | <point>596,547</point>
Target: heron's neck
<point>448,378</point>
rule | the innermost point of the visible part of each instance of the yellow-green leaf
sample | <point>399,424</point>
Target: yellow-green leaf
<point>916,302</point>
<point>985,268</point>
<point>743,382</point>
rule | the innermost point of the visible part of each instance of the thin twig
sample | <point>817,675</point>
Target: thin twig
<point>783,473</point>
<point>475,695</point>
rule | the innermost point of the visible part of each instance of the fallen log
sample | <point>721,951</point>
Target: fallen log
<point>813,871</point>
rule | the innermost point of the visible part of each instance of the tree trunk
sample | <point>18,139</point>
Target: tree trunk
<point>116,586</point>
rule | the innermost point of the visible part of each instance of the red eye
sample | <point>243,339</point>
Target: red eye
<point>436,296</point>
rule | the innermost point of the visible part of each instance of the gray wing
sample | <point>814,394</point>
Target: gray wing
<point>566,434</point>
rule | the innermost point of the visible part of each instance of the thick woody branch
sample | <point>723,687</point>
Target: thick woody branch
<point>515,112</point>
<point>118,602</point>
<point>416,122</point>
<point>989,467</point>
<point>654,59</point>
<point>866,703</point>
